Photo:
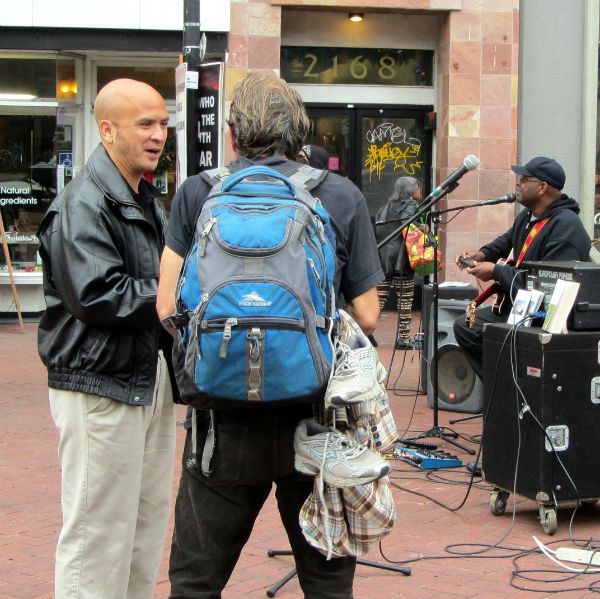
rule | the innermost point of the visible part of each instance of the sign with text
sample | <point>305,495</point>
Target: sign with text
<point>210,115</point>
<point>357,66</point>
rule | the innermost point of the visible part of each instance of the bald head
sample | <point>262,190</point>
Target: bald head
<point>117,95</point>
<point>132,118</point>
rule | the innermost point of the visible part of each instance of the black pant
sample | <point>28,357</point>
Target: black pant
<point>471,339</point>
<point>214,515</point>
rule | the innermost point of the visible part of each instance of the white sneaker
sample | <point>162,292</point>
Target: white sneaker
<point>340,460</point>
<point>357,373</point>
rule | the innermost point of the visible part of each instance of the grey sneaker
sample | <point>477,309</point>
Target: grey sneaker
<point>357,373</point>
<point>341,461</point>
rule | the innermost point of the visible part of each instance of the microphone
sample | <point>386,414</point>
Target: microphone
<point>470,163</point>
<point>509,198</point>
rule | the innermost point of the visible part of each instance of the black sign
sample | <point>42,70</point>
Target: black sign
<point>209,115</point>
<point>362,66</point>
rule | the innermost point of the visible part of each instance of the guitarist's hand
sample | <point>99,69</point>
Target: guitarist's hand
<point>468,254</point>
<point>484,271</point>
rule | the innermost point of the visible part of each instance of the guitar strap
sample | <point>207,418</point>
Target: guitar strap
<point>537,227</point>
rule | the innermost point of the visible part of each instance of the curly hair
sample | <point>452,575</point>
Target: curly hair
<point>267,116</point>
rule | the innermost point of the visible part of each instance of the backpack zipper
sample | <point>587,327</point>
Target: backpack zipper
<point>252,252</point>
<point>204,236</point>
<point>247,322</point>
<point>205,299</point>
<point>229,323</point>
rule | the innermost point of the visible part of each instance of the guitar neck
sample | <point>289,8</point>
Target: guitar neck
<point>493,289</point>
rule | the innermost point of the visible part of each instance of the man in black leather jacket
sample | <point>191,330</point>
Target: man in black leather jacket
<point>561,236</point>
<point>102,343</point>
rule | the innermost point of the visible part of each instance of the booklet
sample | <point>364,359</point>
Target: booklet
<point>527,302</point>
<point>559,308</point>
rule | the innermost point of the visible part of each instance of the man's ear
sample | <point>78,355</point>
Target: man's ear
<point>232,138</point>
<point>107,131</point>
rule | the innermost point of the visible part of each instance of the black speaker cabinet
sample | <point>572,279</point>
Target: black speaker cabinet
<point>559,378</point>
<point>459,389</point>
<point>445,292</point>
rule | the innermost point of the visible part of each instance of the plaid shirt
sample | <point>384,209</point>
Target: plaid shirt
<point>348,521</point>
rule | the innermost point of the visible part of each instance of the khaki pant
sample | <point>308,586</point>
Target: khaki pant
<point>117,472</point>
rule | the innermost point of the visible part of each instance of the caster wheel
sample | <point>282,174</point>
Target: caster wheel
<point>498,501</point>
<point>548,520</point>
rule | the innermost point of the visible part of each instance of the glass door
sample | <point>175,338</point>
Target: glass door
<point>374,146</point>
<point>333,129</point>
<point>393,144</point>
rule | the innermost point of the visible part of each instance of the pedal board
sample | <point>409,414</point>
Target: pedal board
<point>424,458</point>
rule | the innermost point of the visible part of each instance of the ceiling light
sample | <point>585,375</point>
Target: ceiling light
<point>17,96</point>
<point>356,17</point>
<point>66,88</point>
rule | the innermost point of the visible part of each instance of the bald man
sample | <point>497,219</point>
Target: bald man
<point>106,355</point>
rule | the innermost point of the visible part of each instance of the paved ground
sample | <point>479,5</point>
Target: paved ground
<point>434,524</point>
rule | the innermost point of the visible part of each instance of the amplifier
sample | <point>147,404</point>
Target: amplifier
<point>585,315</point>
<point>559,377</point>
<point>446,291</point>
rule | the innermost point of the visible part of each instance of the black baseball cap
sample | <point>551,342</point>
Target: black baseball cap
<point>544,169</point>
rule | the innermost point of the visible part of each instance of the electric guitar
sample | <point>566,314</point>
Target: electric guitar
<point>493,289</point>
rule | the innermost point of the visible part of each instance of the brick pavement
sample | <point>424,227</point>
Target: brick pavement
<point>30,505</point>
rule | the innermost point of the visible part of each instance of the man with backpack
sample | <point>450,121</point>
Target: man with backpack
<point>252,446</point>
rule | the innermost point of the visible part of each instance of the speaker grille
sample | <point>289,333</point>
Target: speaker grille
<point>459,389</point>
<point>456,378</point>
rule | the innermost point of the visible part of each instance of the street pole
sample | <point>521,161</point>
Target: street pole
<point>194,43</point>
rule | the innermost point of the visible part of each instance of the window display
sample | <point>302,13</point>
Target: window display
<point>36,147</point>
<point>30,147</point>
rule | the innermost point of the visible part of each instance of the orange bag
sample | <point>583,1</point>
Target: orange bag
<point>420,256</point>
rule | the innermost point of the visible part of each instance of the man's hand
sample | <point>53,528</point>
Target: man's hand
<point>170,265</point>
<point>468,255</point>
<point>484,271</point>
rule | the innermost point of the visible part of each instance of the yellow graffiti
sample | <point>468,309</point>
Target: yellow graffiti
<point>405,158</point>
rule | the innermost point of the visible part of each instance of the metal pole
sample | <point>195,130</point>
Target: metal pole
<point>193,55</point>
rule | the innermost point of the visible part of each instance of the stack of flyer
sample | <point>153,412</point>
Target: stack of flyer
<point>527,302</point>
<point>559,308</point>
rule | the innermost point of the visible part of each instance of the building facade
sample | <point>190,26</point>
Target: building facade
<point>411,89</point>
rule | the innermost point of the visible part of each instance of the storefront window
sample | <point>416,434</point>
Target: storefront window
<point>27,79</point>
<point>27,181</point>
<point>164,175</point>
<point>30,79</point>
<point>160,78</point>
<point>38,98</point>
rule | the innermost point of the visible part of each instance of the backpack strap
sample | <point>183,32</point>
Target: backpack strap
<point>306,176</point>
<point>303,176</point>
<point>208,452</point>
<point>215,176</point>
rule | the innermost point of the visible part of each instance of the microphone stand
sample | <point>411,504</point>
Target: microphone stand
<point>435,431</point>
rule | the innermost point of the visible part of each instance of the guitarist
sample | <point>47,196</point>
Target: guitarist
<point>548,228</point>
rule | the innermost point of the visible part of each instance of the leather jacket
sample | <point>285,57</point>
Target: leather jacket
<point>100,333</point>
<point>393,255</point>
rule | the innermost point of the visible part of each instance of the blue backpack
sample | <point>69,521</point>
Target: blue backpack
<point>256,290</point>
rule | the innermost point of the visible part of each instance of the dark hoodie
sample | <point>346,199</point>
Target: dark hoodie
<point>563,237</point>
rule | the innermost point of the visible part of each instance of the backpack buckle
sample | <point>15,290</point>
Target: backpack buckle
<point>175,321</point>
